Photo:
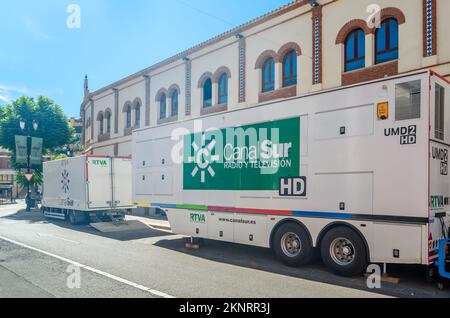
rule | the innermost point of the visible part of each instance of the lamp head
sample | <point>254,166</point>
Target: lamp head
<point>22,124</point>
<point>313,3</point>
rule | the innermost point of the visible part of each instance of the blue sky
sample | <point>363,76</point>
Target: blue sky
<point>39,54</point>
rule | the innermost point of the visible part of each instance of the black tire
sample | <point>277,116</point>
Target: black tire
<point>359,261</point>
<point>305,253</point>
<point>73,218</point>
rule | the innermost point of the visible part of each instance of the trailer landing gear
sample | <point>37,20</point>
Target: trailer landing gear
<point>194,243</point>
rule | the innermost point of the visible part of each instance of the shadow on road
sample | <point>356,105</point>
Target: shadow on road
<point>412,277</point>
<point>413,283</point>
<point>36,216</point>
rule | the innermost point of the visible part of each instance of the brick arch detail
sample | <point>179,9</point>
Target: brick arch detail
<point>160,93</point>
<point>220,71</point>
<point>264,56</point>
<point>173,88</point>
<point>100,115</point>
<point>204,77</point>
<point>126,105</point>
<point>351,26</point>
<point>137,101</point>
<point>291,46</point>
<point>392,12</point>
<point>108,113</point>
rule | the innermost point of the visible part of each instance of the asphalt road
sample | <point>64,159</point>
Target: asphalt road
<point>37,259</point>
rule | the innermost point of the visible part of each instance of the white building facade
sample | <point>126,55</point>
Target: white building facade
<point>301,48</point>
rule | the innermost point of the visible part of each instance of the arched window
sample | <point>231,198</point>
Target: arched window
<point>268,75</point>
<point>174,106</point>
<point>223,89</point>
<point>290,69</point>
<point>386,41</point>
<point>207,93</point>
<point>137,115</point>
<point>163,106</point>
<point>128,118</point>
<point>108,122</point>
<point>100,120</point>
<point>355,50</point>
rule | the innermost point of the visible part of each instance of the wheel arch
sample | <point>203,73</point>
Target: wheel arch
<point>334,225</point>
<point>286,221</point>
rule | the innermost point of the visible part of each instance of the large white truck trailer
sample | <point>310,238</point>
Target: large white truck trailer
<point>359,173</point>
<point>87,189</point>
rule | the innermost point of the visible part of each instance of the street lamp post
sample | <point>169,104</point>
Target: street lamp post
<point>23,126</point>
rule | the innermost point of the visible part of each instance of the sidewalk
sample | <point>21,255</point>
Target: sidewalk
<point>154,222</point>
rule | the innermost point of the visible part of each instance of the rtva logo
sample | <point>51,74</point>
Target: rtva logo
<point>100,163</point>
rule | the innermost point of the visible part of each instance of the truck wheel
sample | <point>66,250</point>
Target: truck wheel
<point>292,245</point>
<point>343,251</point>
<point>73,218</point>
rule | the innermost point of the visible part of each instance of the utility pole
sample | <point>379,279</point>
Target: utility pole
<point>24,127</point>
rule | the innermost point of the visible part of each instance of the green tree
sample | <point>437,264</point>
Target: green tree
<point>53,128</point>
<point>59,157</point>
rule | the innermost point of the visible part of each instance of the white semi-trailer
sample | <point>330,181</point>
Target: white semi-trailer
<point>360,173</point>
<point>87,189</point>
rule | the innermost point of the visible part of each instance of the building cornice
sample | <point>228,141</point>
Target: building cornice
<point>231,33</point>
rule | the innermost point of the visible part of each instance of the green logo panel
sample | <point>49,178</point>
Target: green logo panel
<point>247,158</point>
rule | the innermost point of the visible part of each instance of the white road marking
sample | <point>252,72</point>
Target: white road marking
<point>91,269</point>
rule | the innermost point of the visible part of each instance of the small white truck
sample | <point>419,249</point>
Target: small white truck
<point>87,189</point>
<point>359,173</point>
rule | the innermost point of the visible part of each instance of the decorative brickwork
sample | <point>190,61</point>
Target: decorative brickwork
<point>242,70</point>
<point>278,94</point>
<point>219,73</point>
<point>392,12</point>
<point>147,99</point>
<point>92,118</point>
<point>291,46</point>
<point>349,27</point>
<point>104,137</point>
<point>213,109</point>
<point>160,93</point>
<point>167,120</point>
<point>188,87</point>
<point>370,73</point>
<point>264,56</point>
<point>137,101</point>
<point>429,28</point>
<point>203,78</point>
<point>116,111</point>
<point>317,45</point>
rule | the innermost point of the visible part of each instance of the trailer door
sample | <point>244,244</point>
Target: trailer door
<point>122,183</point>
<point>99,183</point>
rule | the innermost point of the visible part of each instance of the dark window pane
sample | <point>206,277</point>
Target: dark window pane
<point>162,106</point>
<point>269,76</point>
<point>207,93</point>
<point>223,89</point>
<point>175,104</point>
<point>361,49</point>
<point>129,117</point>
<point>393,34</point>
<point>355,65</point>
<point>351,47</point>
<point>138,115</point>
<point>290,69</point>
<point>381,38</point>
<point>387,42</point>
<point>355,51</point>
